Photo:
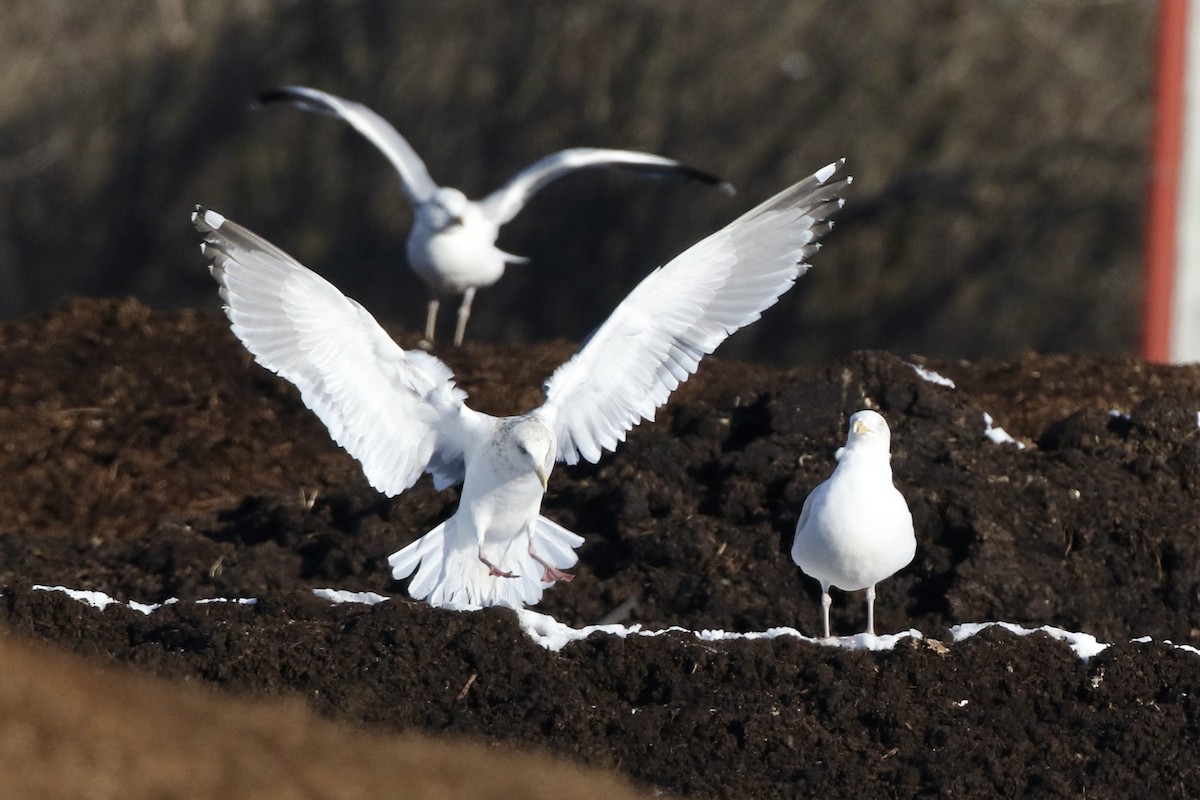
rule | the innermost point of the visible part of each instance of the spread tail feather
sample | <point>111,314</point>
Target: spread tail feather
<point>449,573</point>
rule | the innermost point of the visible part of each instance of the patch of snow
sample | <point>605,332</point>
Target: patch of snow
<point>997,434</point>
<point>146,608</point>
<point>1185,647</point>
<point>1112,412</point>
<point>241,601</point>
<point>341,596</point>
<point>94,599</point>
<point>931,376</point>
<point>554,635</point>
<point>102,601</point>
<point>1084,644</point>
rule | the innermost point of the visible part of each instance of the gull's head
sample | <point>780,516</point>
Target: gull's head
<point>868,432</point>
<point>528,444</point>
<point>448,207</point>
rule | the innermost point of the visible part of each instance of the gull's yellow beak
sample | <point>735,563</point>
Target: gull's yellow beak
<point>860,428</point>
<point>543,476</point>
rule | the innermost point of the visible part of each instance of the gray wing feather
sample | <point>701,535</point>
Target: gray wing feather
<point>681,312</point>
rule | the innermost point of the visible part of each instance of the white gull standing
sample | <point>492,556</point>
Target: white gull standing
<point>452,245</point>
<point>399,413</point>
<point>855,528</point>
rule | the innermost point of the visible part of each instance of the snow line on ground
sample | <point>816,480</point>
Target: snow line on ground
<point>553,635</point>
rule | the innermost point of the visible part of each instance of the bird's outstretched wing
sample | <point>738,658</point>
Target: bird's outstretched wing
<point>681,312</point>
<point>506,202</point>
<point>399,413</point>
<point>414,175</point>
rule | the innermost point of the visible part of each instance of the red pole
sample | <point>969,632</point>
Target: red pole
<point>1166,152</point>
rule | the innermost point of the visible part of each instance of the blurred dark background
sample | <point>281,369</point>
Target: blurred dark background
<point>999,149</point>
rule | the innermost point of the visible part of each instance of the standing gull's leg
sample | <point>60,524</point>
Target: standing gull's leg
<point>826,602</point>
<point>431,318</point>
<point>464,313</point>
<point>871,609</point>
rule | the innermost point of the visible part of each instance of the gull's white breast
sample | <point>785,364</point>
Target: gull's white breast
<point>456,258</point>
<point>499,498</point>
<point>856,529</point>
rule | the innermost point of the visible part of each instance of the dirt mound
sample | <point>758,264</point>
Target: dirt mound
<point>146,456</point>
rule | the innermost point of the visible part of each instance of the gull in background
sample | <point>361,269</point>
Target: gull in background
<point>855,528</point>
<point>400,414</point>
<point>452,245</point>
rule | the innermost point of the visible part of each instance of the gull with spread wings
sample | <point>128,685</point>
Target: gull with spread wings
<point>400,414</point>
<point>452,245</point>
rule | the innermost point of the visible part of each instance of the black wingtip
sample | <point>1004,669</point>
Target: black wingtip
<point>300,96</point>
<point>276,94</point>
<point>279,94</point>
<point>683,172</point>
<point>700,176</point>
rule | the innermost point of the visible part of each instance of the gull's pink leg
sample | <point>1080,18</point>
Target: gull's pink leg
<point>551,573</point>
<point>494,570</point>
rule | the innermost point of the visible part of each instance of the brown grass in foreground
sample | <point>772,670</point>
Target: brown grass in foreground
<point>69,729</point>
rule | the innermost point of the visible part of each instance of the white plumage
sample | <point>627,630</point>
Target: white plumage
<point>855,529</point>
<point>452,245</point>
<point>400,414</point>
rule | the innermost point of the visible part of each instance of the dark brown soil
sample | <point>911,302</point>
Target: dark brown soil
<point>146,456</point>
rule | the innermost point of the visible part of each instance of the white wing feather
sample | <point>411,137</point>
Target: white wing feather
<point>414,175</point>
<point>681,312</point>
<point>506,202</point>
<point>399,413</point>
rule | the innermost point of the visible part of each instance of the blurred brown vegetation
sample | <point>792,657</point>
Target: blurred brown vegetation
<point>75,730</point>
<point>999,150</point>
